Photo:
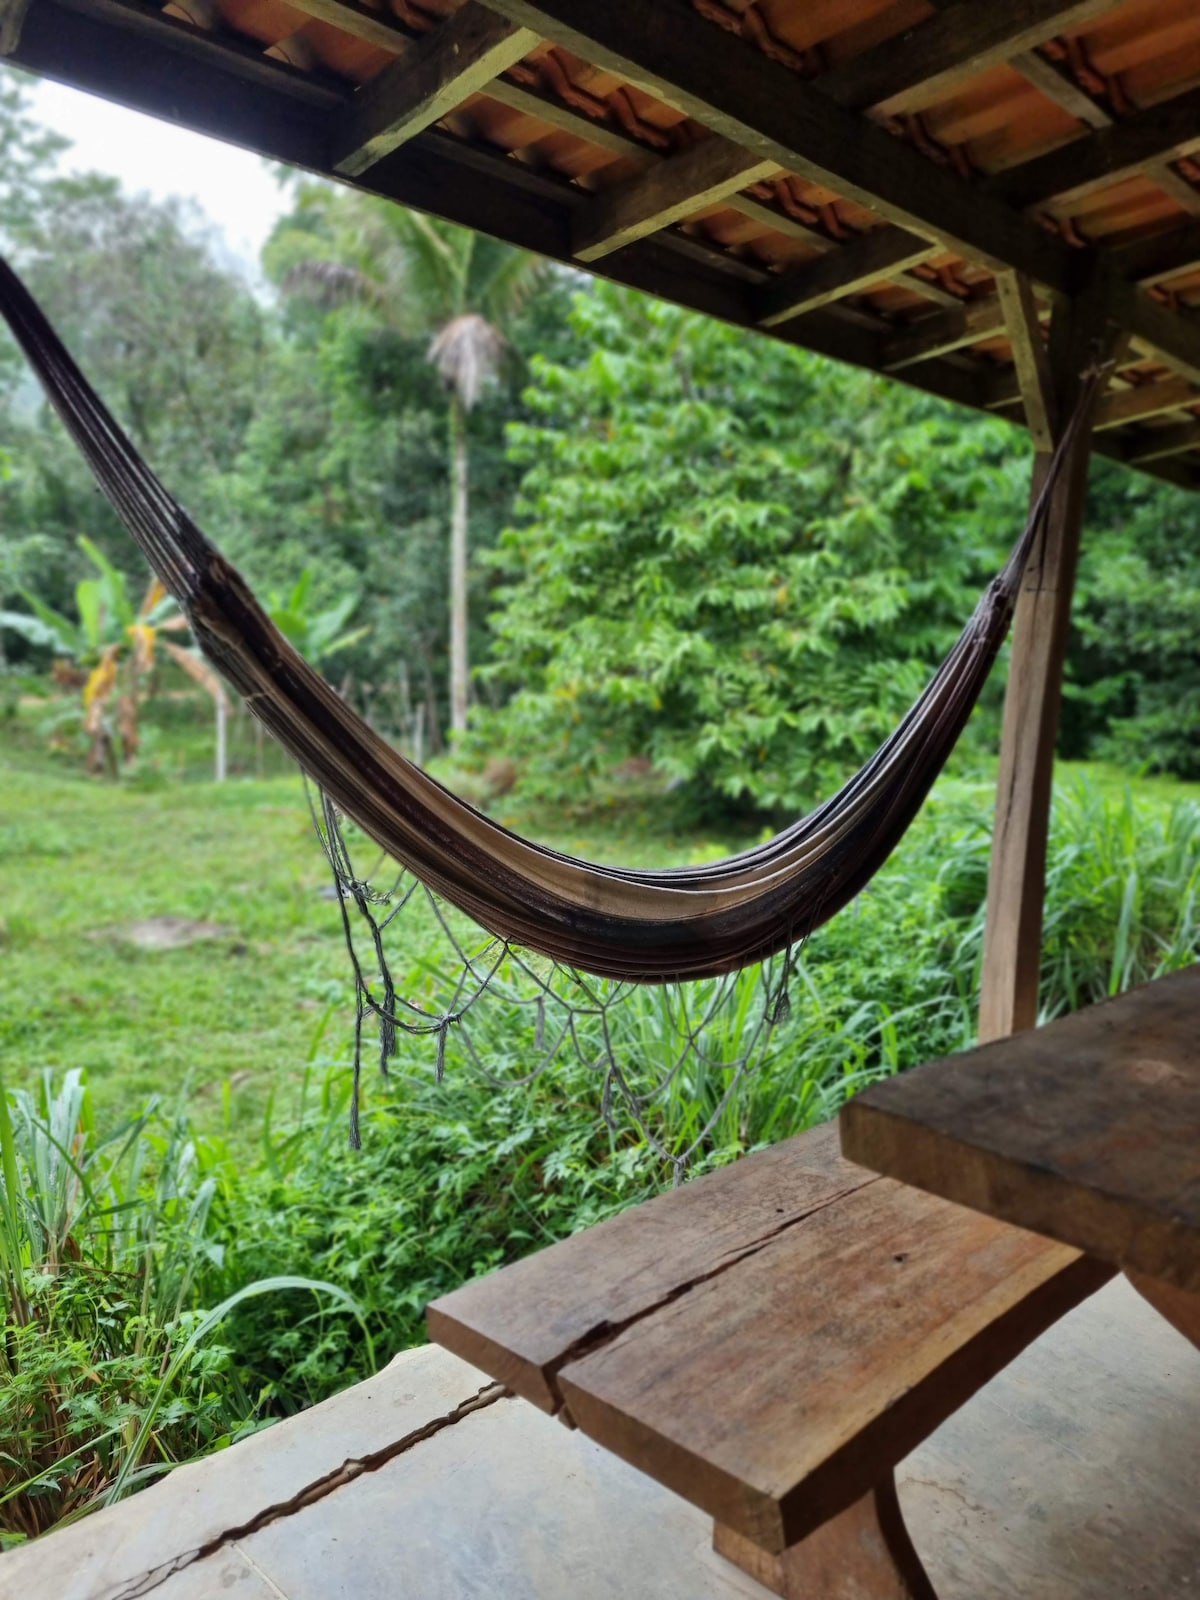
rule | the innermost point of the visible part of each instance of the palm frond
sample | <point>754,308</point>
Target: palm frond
<point>333,283</point>
<point>503,279</point>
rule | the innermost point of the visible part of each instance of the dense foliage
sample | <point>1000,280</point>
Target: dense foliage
<point>732,560</point>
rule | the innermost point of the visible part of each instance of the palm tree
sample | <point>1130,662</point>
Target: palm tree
<point>424,277</point>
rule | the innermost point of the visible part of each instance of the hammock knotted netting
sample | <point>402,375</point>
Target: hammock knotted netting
<point>565,940</point>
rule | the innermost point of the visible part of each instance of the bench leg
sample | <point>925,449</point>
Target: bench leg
<point>863,1554</point>
<point>1181,1309</point>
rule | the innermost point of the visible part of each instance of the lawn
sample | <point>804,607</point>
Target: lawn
<point>235,1016</point>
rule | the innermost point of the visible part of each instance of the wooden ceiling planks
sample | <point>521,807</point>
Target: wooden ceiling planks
<point>810,168</point>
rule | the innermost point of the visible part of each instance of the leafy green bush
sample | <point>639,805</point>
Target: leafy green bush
<point>732,559</point>
<point>107,1377</point>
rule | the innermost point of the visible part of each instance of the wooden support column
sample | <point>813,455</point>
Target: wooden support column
<point>12,15</point>
<point>863,1554</point>
<point>1016,880</point>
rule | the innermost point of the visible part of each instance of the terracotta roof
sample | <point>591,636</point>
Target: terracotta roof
<point>850,175</point>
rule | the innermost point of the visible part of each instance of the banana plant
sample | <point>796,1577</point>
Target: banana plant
<point>107,651</point>
<point>316,634</point>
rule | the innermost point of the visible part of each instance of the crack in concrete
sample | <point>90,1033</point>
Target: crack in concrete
<point>604,1333</point>
<point>309,1495</point>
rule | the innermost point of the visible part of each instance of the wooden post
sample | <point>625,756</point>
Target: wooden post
<point>1016,880</point>
<point>220,766</point>
<point>12,15</point>
<point>863,1554</point>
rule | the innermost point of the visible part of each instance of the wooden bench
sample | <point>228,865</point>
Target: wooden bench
<point>769,1341</point>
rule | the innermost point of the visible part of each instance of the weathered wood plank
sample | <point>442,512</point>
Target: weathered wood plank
<point>1159,444</point>
<point>737,92</point>
<point>1030,356</point>
<point>1145,400</point>
<point>855,266</point>
<point>12,15</point>
<point>670,191</point>
<point>529,1319</point>
<point>864,1553</point>
<point>435,75</point>
<point>962,40</point>
<point>1083,1130</point>
<point>1161,132</point>
<point>771,1339</point>
<point>1016,877</point>
<point>777,1392</point>
<point>940,333</point>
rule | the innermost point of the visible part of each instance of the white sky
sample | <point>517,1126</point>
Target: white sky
<point>237,191</point>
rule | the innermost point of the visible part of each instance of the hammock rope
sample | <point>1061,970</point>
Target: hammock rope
<point>643,926</point>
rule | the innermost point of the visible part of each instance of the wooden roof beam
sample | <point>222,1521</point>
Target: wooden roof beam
<point>736,91</point>
<point>1161,133</point>
<point>962,40</point>
<point>1031,357</point>
<point>382,29</point>
<point>12,15</point>
<point>855,266</point>
<point>433,77</point>
<point>1054,81</point>
<point>1161,443</point>
<point>1158,256</point>
<point>1145,400</point>
<point>668,192</point>
<point>941,333</point>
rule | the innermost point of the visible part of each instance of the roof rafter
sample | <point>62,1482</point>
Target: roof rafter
<point>128,50</point>
<point>741,94</point>
<point>1145,400</point>
<point>963,39</point>
<point>1031,357</point>
<point>431,79</point>
<point>1158,256</point>
<point>950,47</point>
<point>668,192</point>
<point>1160,133</point>
<point>866,260</point>
<point>940,333</point>
<point>1159,443</point>
<point>1057,84</point>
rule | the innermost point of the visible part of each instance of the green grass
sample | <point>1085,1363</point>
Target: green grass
<point>155,1336</point>
<point>239,1018</point>
<point>82,857</point>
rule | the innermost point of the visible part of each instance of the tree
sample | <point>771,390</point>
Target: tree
<point>108,650</point>
<point>1133,664</point>
<point>734,559</point>
<point>457,288</point>
<point>28,157</point>
<point>173,341</point>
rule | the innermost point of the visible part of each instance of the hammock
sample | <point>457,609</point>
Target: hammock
<point>644,926</point>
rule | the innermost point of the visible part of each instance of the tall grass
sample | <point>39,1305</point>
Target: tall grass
<point>156,1290</point>
<point>108,1376</point>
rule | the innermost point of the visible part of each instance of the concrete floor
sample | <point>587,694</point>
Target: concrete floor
<point>1075,1475</point>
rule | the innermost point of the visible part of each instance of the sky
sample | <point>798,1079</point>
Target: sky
<point>237,191</point>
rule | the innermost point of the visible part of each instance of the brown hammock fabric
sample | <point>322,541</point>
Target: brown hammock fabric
<point>646,926</point>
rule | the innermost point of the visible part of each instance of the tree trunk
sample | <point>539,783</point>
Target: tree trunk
<point>220,764</point>
<point>459,665</point>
